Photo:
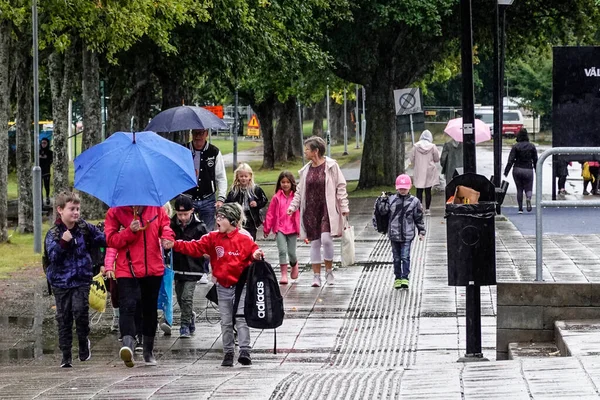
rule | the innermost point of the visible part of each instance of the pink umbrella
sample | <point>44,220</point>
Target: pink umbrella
<point>454,129</point>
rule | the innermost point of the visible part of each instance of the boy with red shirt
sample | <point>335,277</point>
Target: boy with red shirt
<point>230,251</point>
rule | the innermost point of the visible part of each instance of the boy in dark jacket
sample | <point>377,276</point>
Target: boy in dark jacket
<point>188,270</point>
<point>405,213</point>
<point>68,244</point>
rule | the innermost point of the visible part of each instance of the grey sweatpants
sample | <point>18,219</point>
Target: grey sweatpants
<point>226,299</point>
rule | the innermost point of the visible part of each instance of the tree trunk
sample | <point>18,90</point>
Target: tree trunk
<point>281,140</point>
<point>5,36</point>
<point>24,122</point>
<point>378,166</point>
<point>60,72</point>
<point>91,207</point>
<point>319,112</point>
<point>296,137</point>
<point>337,123</point>
<point>265,115</point>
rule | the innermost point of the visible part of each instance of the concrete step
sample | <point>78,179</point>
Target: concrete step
<point>577,337</point>
<point>521,350</point>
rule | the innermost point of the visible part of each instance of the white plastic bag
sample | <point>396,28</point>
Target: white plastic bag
<point>348,256</point>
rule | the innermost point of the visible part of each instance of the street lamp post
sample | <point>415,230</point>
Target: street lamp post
<point>499,29</point>
<point>37,171</point>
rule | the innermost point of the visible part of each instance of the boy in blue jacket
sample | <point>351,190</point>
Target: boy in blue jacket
<point>67,246</point>
<point>405,214</point>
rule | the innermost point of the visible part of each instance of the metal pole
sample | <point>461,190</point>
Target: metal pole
<point>473,292</point>
<point>235,129</point>
<point>364,116</point>
<point>540,204</point>
<point>301,131</point>
<point>412,129</point>
<point>357,120</point>
<point>103,106</point>
<point>70,131</point>
<point>498,109</point>
<point>345,126</point>
<point>328,125</point>
<point>36,171</point>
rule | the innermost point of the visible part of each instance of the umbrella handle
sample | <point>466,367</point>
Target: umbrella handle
<point>136,215</point>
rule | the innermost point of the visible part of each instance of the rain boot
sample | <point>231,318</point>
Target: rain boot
<point>126,352</point>
<point>148,348</point>
<point>294,274</point>
<point>284,278</point>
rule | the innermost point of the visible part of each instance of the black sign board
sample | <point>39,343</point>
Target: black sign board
<point>576,99</point>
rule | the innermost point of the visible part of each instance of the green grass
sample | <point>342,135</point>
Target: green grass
<point>226,146</point>
<point>18,253</point>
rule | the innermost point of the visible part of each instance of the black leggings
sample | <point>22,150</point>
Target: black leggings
<point>524,181</point>
<point>46,184</point>
<point>133,293</point>
<point>427,196</point>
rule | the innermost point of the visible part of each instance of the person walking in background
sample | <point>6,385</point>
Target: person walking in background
<point>188,270</point>
<point>523,156</point>
<point>139,270</point>
<point>231,252</point>
<point>451,158</point>
<point>46,158</point>
<point>285,227</point>
<point>212,182</point>
<point>405,214</point>
<point>323,203</point>
<point>67,245</point>
<point>249,195</point>
<point>424,157</point>
<point>590,176</point>
<point>561,171</point>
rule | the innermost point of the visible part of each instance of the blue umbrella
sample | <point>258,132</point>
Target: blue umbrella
<point>185,117</point>
<point>130,169</point>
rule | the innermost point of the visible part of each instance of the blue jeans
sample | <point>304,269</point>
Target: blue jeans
<point>207,212</point>
<point>401,253</point>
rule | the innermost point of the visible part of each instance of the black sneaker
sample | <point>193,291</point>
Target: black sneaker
<point>227,360</point>
<point>528,205</point>
<point>66,361</point>
<point>244,358</point>
<point>85,351</point>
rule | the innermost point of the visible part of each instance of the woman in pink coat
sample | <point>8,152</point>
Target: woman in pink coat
<point>424,157</point>
<point>322,187</point>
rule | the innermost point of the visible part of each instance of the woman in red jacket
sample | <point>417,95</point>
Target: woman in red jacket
<point>230,251</point>
<point>139,270</point>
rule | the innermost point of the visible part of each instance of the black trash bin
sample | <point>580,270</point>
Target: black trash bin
<point>471,234</point>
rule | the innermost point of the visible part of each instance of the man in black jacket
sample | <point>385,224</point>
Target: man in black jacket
<point>188,270</point>
<point>212,179</point>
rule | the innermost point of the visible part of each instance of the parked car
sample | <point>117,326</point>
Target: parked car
<point>512,120</point>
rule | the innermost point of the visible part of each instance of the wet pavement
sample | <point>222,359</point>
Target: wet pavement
<point>358,338</point>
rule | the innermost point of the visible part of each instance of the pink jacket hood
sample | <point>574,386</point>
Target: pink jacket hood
<point>277,219</point>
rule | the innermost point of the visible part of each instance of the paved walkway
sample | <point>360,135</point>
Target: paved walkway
<point>358,338</point>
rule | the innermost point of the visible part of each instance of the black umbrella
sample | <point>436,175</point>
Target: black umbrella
<point>185,117</point>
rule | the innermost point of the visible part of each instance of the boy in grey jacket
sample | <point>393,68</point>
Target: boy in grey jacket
<point>405,213</point>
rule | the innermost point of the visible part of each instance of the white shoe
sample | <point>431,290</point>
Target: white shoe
<point>329,277</point>
<point>115,324</point>
<point>427,212</point>
<point>316,280</point>
<point>204,280</point>
<point>166,328</point>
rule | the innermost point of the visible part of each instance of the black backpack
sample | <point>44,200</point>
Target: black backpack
<point>381,221</point>
<point>263,307</point>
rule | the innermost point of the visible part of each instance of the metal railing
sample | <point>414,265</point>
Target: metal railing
<point>539,203</point>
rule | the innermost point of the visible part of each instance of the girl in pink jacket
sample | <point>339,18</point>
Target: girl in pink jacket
<point>285,227</point>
